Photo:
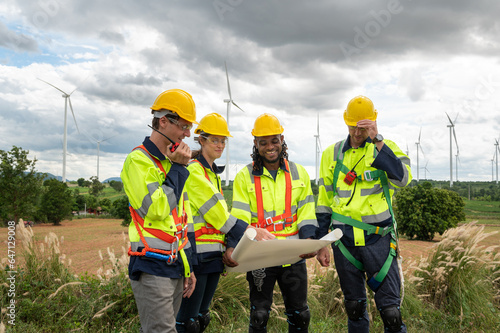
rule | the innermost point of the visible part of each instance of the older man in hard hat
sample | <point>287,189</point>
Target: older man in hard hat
<point>357,180</point>
<point>153,176</point>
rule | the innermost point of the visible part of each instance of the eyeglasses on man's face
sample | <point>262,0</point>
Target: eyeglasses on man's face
<point>353,128</point>
<point>185,127</point>
<point>214,140</point>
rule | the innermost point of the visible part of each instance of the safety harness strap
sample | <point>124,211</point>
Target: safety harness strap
<point>269,223</point>
<point>374,281</point>
<point>209,229</point>
<point>178,242</point>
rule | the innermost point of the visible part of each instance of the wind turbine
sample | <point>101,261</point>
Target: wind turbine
<point>426,170</point>
<point>452,129</point>
<point>67,100</point>
<point>497,150</point>
<point>492,166</point>
<point>419,147</point>
<point>228,101</point>
<point>318,151</point>
<point>98,149</point>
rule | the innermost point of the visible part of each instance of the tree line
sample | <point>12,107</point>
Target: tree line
<point>30,195</point>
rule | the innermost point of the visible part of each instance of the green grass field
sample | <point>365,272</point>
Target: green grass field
<point>108,192</point>
<point>485,212</point>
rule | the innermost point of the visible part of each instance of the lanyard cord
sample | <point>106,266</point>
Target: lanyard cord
<point>356,181</point>
<point>355,165</point>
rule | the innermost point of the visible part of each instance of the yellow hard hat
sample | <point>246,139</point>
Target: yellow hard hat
<point>266,124</point>
<point>359,108</point>
<point>177,101</point>
<point>214,124</point>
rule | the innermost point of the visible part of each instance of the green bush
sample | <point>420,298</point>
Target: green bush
<point>120,210</point>
<point>56,201</point>
<point>422,210</point>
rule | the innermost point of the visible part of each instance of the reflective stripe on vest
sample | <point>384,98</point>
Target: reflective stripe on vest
<point>209,229</point>
<point>177,242</point>
<point>269,223</point>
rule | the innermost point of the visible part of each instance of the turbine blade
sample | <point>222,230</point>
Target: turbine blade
<point>456,142</point>
<point>50,84</point>
<point>73,91</point>
<point>108,138</point>
<point>237,106</point>
<point>420,133</point>
<point>420,146</point>
<point>456,118</point>
<point>73,113</point>
<point>449,118</point>
<point>228,86</point>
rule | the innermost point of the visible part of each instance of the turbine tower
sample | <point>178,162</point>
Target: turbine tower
<point>98,150</point>
<point>452,131</point>
<point>228,101</point>
<point>426,170</point>
<point>67,100</point>
<point>497,150</point>
<point>492,166</point>
<point>418,147</point>
<point>318,151</point>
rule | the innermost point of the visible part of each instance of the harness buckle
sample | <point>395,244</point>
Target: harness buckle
<point>280,224</point>
<point>174,247</point>
<point>368,175</point>
<point>288,221</point>
<point>268,221</point>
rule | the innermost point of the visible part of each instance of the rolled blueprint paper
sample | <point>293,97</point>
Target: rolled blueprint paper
<point>251,254</point>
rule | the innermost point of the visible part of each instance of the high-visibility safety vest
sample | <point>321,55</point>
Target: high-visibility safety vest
<point>367,200</point>
<point>211,219</point>
<point>282,206</point>
<point>159,223</point>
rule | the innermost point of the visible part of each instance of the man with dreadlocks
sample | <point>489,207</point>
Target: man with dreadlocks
<point>275,194</point>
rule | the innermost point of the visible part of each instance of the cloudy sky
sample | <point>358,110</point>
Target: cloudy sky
<point>295,59</point>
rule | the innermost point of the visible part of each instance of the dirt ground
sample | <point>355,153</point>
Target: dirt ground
<point>81,240</point>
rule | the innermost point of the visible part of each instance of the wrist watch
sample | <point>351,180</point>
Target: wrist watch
<point>378,138</point>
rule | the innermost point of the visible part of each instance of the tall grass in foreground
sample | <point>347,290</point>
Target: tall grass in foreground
<point>455,288</point>
<point>462,279</point>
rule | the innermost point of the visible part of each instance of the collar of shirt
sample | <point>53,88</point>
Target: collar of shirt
<point>152,149</point>
<point>347,143</point>
<point>216,169</point>
<point>260,172</point>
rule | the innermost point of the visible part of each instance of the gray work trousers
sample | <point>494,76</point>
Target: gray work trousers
<point>158,300</point>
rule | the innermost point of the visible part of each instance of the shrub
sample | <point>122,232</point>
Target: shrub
<point>421,211</point>
<point>120,210</point>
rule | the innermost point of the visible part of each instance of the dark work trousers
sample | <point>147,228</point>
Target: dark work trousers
<point>292,281</point>
<point>352,280</point>
<point>199,302</point>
